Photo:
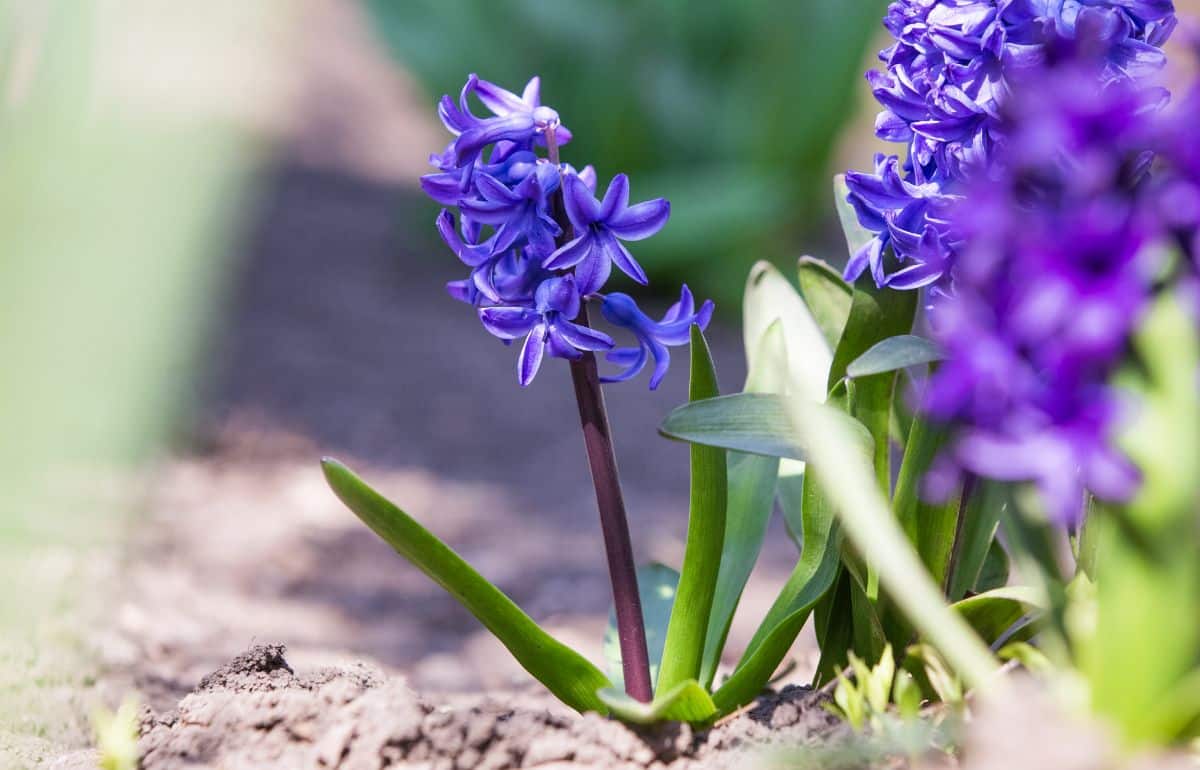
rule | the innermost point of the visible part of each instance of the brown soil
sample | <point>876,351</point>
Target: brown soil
<point>257,712</point>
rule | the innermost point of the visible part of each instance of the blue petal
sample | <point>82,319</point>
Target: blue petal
<point>641,220</point>
<point>530,359</point>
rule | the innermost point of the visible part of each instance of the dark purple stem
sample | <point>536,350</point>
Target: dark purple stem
<point>597,439</point>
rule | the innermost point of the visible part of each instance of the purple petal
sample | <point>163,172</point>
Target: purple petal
<point>530,359</point>
<point>633,359</point>
<point>615,251</point>
<point>582,208</point>
<point>662,362</point>
<point>500,100</point>
<point>583,337</point>
<point>640,220</point>
<point>592,273</point>
<point>571,253</point>
<point>616,198</point>
<point>532,95</point>
<point>508,323</point>
<point>684,307</point>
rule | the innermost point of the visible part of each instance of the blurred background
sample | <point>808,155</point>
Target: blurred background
<point>216,267</point>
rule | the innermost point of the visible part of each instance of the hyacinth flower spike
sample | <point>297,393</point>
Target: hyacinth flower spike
<point>600,226</point>
<point>653,336</point>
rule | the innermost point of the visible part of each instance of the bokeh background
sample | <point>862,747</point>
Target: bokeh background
<point>216,267</point>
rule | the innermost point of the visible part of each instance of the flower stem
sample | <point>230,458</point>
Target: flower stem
<point>597,439</point>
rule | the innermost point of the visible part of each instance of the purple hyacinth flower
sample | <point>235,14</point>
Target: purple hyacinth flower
<point>519,212</point>
<point>653,336</point>
<point>943,90</point>
<point>546,326</point>
<point>518,119</point>
<point>600,226</point>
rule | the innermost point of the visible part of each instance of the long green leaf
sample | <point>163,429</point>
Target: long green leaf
<point>978,544</point>
<point>685,702</point>
<point>827,295</point>
<point>893,353</point>
<point>657,584</point>
<point>564,672</point>
<point>756,423</point>
<point>930,526</point>
<point>811,579</point>
<point>751,493</point>
<point>688,628</point>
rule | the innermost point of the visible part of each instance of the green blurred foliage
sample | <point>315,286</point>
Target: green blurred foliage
<point>123,145</point>
<point>728,108</point>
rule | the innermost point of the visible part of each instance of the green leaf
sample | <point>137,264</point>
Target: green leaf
<point>893,353</point>
<point>930,526</point>
<point>839,464</point>
<point>685,702</point>
<point>563,671</point>
<point>809,581</point>
<point>857,236</point>
<point>875,315</point>
<point>688,628</point>
<point>827,295</point>
<point>982,563</point>
<point>751,493</point>
<point>993,613</point>
<point>657,584</point>
<point>770,298</point>
<point>1146,635</point>
<point>756,423</point>
<point>994,573</point>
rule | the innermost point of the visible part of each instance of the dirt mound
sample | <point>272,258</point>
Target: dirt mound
<point>256,712</point>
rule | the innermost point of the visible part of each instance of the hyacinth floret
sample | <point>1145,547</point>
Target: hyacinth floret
<point>945,81</point>
<point>538,243</point>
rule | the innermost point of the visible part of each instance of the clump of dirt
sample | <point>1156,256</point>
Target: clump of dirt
<point>257,712</point>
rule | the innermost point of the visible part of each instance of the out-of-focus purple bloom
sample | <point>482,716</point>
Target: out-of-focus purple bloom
<point>526,280</point>
<point>653,336</point>
<point>600,226</point>
<point>942,93</point>
<point>1065,238</point>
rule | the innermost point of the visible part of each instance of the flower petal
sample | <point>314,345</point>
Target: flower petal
<point>592,273</point>
<point>616,197</point>
<point>582,208</point>
<point>615,251</point>
<point>530,359</point>
<point>641,220</point>
<point>508,323</point>
<point>633,359</point>
<point>570,254</point>
<point>583,337</point>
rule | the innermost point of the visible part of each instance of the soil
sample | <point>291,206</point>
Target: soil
<point>257,712</point>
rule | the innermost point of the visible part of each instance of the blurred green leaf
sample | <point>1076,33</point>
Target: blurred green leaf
<point>930,526</point>
<point>657,584</point>
<point>827,295</point>
<point>688,628</point>
<point>1147,573</point>
<point>894,353</point>
<point>563,671</point>
<point>685,702</point>
<point>995,571</point>
<point>752,481</point>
